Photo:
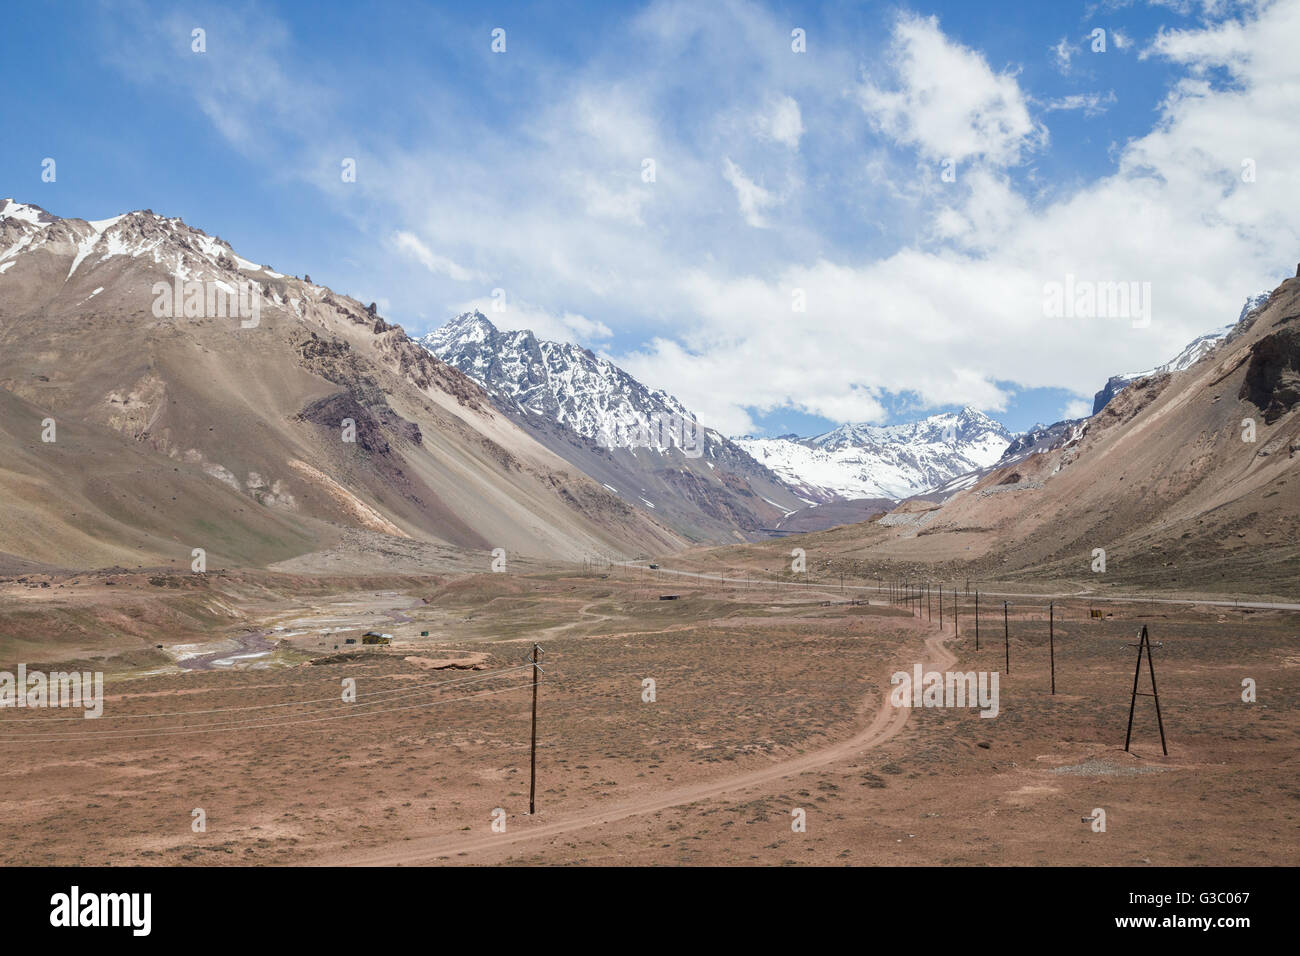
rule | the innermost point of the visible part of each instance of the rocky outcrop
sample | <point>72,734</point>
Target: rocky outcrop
<point>1272,382</point>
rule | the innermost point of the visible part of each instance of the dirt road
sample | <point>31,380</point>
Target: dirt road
<point>885,722</point>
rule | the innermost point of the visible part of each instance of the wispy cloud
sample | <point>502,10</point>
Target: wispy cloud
<point>782,121</point>
<point>752,198</point>
<point>1062,55</point>
<point>409,244</point>
<point>531,180</point>
<point>1092,104</point>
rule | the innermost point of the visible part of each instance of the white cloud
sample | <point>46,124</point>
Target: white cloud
<point>409,244</point>
<point>912,286</point>
<point>1077,408</point>
<point>1092,104</point>
<point>753,198</point>
<point>949,102</point>
<point>954,320</point>
<point>782,121</point>
<point>620,205</point>
<point>1063,52</point>
<point>585,328</point>
<point>1228,44</point>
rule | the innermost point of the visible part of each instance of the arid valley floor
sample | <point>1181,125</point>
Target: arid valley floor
<point>769,697</point>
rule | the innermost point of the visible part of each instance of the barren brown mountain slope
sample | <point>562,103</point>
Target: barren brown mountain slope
<point>1168,480</point>
<point>182,420</point>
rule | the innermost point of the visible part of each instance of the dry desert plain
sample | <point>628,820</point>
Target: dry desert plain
<point>768,699</point>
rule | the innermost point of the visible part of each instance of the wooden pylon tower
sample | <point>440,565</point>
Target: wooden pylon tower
<point>1144,642</point>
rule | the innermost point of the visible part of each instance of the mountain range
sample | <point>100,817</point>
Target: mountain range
<point>641,444</point>
<point>598,417</point>
<point>1184,479</point>
<point>146,411</point>
<point>890,461</point>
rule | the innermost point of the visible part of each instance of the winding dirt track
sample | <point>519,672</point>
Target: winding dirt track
<point>884,724</point>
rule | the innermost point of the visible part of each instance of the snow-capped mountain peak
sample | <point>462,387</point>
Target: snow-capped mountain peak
<point>142,233</point>
<point>564,382</point>
<point>598,400</point>
<point>884,461</point>
<point>953,428</point>
<point>23,212</point>
<point>468,328</point>
<point>641,443</point>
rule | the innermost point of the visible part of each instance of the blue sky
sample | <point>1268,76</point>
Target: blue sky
<point>777,174</point>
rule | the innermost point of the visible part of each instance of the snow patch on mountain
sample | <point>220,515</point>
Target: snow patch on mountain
<point>99,225</point>
<point>1189,356</point>
<point>22,212</point>
<point>186,252</point>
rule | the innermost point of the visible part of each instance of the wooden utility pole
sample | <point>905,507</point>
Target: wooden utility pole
<point>1006,635</point>
<point>956,612</point>
<point>532,772</point>
<point>1145,642</point>
<point>977,620</point>
<point>941,607</point>
<point>1051,640</point>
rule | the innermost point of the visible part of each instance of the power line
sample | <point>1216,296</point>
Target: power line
<point>400,691</point>
<point>353,711</point>
<point>898,590</point>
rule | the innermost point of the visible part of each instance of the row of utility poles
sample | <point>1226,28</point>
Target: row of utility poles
<point>913,595</point>
<point>922,600</point>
